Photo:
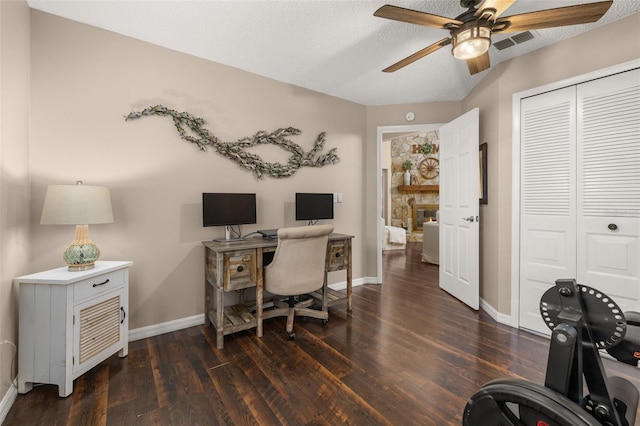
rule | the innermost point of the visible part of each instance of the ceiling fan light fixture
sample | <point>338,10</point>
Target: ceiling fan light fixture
<point>470,32</point>
<point>471,42</point>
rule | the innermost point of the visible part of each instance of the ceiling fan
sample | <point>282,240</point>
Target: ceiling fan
<point>471,31</point>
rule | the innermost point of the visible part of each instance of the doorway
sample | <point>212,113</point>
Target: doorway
<point>382,196</point>
<point>458,237</point>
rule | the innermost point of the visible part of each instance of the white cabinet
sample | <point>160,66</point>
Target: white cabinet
<point>70,322</point>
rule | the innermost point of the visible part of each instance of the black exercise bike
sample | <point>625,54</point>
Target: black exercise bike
<point>583,321</point>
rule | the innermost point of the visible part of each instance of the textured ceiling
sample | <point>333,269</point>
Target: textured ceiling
<point>334,47</point>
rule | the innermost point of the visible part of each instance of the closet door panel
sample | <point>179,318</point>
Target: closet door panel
<point>608,255</point>
<point>548,199</point>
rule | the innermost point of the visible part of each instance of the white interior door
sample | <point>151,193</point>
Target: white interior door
<point>459,206</point>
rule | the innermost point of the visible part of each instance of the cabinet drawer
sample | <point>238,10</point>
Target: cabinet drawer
<point>337,255</point>
<point>240,269</point>
<point>98,285</point>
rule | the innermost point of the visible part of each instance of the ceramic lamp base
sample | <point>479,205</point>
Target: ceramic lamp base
<point>82,253</point>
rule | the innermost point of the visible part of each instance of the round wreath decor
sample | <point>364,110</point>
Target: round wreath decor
<point>429,168</point>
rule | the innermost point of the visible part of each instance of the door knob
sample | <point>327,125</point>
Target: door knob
<point>468,219</point>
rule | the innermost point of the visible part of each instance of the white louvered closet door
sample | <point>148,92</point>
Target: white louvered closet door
<point>580,192</point>
<point>609,187</point>
<point>548,198</point>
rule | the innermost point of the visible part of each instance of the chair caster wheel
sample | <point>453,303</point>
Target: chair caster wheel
<point>292,336</point>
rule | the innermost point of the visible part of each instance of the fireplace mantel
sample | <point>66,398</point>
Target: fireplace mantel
<point>419,188</point>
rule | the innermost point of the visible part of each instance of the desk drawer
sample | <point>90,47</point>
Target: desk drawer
<point>337,255</point>
<point>98,285</point>
<point>240,269</point>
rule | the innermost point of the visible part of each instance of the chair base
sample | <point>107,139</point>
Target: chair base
<point>302,308</point>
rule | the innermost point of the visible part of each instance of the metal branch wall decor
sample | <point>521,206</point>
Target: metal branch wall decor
<point>237,151</point>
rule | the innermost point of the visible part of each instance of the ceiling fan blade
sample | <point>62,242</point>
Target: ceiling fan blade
<point>478,64</point>
<point>419,54</point>
<point>549,18</point>
<point>498,5</point>
<point>415,17</point>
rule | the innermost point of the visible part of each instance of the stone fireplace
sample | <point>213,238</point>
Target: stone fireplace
<point>405,202</point>
<point>423,213</point>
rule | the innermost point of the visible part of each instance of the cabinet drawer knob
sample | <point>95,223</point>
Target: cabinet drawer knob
<point>612,226</point>
<point>102,283</point>
<point>240,268</point>
<point>337,254</point>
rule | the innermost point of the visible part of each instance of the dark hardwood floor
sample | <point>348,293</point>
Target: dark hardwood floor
<point>408,354</point>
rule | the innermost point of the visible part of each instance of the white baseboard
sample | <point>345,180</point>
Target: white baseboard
<point>165,327</point>
<point>355,283</point>
<point>493,313</point>
<point>8,400</point>
<point>179,324</point>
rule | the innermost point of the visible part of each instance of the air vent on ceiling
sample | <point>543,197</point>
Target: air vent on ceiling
<point>516,39</point>
<point>503,44</point>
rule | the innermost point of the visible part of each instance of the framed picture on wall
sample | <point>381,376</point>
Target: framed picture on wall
<point>482,160</point>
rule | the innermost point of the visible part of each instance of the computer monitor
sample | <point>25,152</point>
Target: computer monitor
<point>228,210</point>
<point>313,206</point>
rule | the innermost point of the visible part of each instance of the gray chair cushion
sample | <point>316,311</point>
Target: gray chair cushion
<point>299,262</point>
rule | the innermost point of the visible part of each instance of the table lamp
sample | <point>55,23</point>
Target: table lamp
<point>80,205</point>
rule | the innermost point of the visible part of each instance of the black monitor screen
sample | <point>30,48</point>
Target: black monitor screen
<point>314,206</point>
<point>221,209</point>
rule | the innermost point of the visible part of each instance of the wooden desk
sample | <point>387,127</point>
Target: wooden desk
<point>236,266</point>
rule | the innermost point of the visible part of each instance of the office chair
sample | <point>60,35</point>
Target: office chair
<point>298,268</point>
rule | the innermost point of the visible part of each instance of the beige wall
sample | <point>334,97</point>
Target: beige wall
<point>85,80</point>
<point>14,176</point>
<point>490,225</point>
<point>608,45</point>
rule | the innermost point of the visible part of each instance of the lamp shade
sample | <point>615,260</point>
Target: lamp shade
<point>76,205</point>
<point>79,205</point>
<point>471,42</point>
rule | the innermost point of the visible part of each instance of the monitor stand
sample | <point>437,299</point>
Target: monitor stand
<point>227,235</point>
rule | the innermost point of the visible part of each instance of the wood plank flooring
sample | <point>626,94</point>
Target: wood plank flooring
<point>408,354</point>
